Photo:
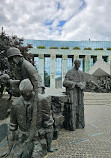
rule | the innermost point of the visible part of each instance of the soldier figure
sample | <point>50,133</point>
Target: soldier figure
<point>20,119</point>
<point>74,83</point>
<point>26,70</point>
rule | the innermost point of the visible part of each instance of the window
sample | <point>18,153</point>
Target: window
<point>69,62</point>
<point>36,62</point>
<point>58,71</point>
<point>47,71</point>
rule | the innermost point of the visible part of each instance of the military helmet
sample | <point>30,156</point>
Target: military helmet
<point>13,52</point>
<point>25,85</point>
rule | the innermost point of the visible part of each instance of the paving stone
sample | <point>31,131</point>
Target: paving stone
<point>94,141</point>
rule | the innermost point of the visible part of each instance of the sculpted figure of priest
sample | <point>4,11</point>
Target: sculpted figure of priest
<point>75,84</point>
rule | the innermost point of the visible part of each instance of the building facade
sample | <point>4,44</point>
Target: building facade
<point>52,64</point>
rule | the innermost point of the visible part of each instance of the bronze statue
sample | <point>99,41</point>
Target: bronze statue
<point>12,86</point>
<point>74,83</point>
<point>26,70</point>
<point>20,121</point>
<point>45,121</point>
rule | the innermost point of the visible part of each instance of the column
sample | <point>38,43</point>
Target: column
<point>41,66</point>
<point>99,57</point>
<point>109,61</point>
<point>64,66</point>
<point>87,62</point>
<point>52,72</point>
<point>76,57</point>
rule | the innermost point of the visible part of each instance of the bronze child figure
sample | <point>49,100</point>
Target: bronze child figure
<point>21,119</point>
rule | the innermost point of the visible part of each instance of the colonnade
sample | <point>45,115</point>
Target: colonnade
<point>87,65</point>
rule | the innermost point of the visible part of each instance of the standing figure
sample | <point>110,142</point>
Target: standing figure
<point>26,70</point>
<point>74,83</point>
<point>20,124</point>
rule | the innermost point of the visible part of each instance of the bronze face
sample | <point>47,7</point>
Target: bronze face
<point>77,64</point>
<point>14,60</point>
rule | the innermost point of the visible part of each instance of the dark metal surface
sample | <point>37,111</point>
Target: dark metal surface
<point>3,131</point>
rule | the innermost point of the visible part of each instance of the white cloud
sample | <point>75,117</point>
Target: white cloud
<point>27,19</point>
<point>92,22</point>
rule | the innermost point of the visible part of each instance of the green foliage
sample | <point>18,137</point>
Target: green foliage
<point>64,47</point>
<point>54,47</point>
<point>6,42</point>
<point>108,48</point>
<point>41,47</point>
<point>76,48</point>
<point>88,48</point>
<point>4,89</point>
<point>98,49</point>
<point>101,49</point>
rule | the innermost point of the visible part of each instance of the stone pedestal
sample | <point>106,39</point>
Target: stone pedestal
<point>58,98</point>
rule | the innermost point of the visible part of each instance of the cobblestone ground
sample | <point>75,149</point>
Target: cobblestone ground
<point>94,141</point>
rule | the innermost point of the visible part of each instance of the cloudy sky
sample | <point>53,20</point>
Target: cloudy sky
<point>57,19</point>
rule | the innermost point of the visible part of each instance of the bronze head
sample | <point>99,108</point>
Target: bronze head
<point>77,64</point>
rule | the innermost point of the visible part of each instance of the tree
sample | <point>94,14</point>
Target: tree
<point>6,42</point>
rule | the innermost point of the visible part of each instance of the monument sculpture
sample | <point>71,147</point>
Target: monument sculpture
<point>36,118</point>
<point>26,70</point>
<point>20,121</point>
<point>92,86</point>
<point>10,85</point>
<point>57,108</point>
<point>104,83</point>
<point>74,108</point>
<point>1,89</point>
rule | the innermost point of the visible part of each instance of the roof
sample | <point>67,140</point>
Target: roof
<point>100,68</point>
<point>70,44</point>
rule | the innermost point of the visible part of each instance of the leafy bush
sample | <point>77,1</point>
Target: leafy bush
<point>98,49</point>
<point>6,42</point>
<point>54,47</point>
<point>64,47</point>
<point>88,48</point>
<point>41,47</point>
<point>101,49</point>
<point>76,48</point>
<point>108,48</point>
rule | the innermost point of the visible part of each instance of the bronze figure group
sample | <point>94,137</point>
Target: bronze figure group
<point>32,116</point>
